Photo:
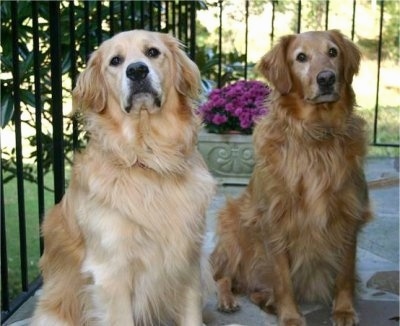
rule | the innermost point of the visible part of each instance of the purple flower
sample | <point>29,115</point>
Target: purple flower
<point>235,107</point>
<point>238,111</point>
<point>219,119</point>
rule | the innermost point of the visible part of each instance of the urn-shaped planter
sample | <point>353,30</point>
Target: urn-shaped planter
<point>228,156</point>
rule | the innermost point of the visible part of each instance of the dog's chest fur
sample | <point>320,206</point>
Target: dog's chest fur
<point>144,224</point>
<point>140,204</point>
<point>313,211</point>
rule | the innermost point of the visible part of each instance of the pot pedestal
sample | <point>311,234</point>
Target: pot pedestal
<point>229,157</point>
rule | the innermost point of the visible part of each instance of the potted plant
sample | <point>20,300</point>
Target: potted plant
<point>235,107</point>
<point>229,116</point>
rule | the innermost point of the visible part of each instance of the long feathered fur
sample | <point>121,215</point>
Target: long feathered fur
<point>307,198</point>
<point>124,245</point>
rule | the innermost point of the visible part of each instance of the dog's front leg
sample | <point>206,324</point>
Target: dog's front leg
<point>112,303</point>
<point>192,306</point>
<point>343,310</point>
<point>288,312</point>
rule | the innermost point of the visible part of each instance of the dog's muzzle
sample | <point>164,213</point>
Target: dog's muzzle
<point>141,87</point>
<point>327,92</point>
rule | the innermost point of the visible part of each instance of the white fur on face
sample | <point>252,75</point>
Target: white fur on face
<point>149,91</point>
<point>145,93</point>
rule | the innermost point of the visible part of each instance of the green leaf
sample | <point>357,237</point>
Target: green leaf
<point>27,97</point>
<point>7,110</point>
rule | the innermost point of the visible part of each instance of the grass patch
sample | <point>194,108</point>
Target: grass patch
<point>12,226</point>
<point>387,130</point>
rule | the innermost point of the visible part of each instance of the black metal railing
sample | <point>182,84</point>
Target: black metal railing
<point>45,44</point>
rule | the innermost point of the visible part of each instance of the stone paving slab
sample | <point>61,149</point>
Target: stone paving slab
<point>370,313</point>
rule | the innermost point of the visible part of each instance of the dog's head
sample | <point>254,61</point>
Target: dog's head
<point>315,65</point>
<point>136,70</point>
<point>137,96</point>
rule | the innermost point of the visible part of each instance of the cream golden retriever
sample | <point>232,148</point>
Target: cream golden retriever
<point>123,246</point>
<point>292,234</point>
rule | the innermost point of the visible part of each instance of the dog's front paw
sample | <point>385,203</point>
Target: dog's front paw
<point>292,321</point>
<point>228,304</point>
<point>345,318</point>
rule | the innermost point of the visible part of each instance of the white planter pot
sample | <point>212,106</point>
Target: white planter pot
<point>228,156</point>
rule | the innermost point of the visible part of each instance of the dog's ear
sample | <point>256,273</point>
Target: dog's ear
<point>350,52</point>
<point>187,79</point>
<point>273,66</point>
<point>90,91</point>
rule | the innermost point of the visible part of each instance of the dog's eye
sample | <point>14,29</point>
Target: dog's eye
<point>301,57</point>
<point>332,52</point>
<point>153,53</point>
<point>115,61</point>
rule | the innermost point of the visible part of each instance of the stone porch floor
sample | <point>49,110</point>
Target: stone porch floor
<point>378,263</point>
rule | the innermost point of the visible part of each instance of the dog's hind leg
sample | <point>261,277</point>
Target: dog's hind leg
<point>61,302</point>
<point>265,300</point>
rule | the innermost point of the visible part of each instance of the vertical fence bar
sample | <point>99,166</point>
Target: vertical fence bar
<point>178,14</point>
<point>133,14</point>
<point>56,95</point>
<point>353,20</point>
<point>5,291</point>
<point>159,12</point>
<point>72,71</point>
<point>375,131</point>
<point>150,10</point>
<point>99,30</point>
<point>38,115</point>
<point>220,44</point>
<point>246,37</point>
<point>183,20</point>
<point>174,27</point>
<point>193,31</point>
<point>111,11</point>
<point>273,21</point>
<point>158,16</point>
<point>122,15</point>
<point>142,16</point>
<point>167,23</point>
<point>299,16</point>
<point>87,28</point>
<point>18,148</point>
<point>326,14</point>
<point>179,29</point>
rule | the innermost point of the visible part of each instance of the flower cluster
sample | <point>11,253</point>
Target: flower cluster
<point>235,107</point>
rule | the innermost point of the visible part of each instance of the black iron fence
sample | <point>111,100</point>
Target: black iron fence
<point>45,44</point>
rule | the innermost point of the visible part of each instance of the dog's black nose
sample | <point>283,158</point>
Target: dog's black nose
<point>326,78</point>
<point>137,71</point>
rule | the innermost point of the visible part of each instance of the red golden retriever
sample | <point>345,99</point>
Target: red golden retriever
<point>292,234</point>
<point>123,246</point>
